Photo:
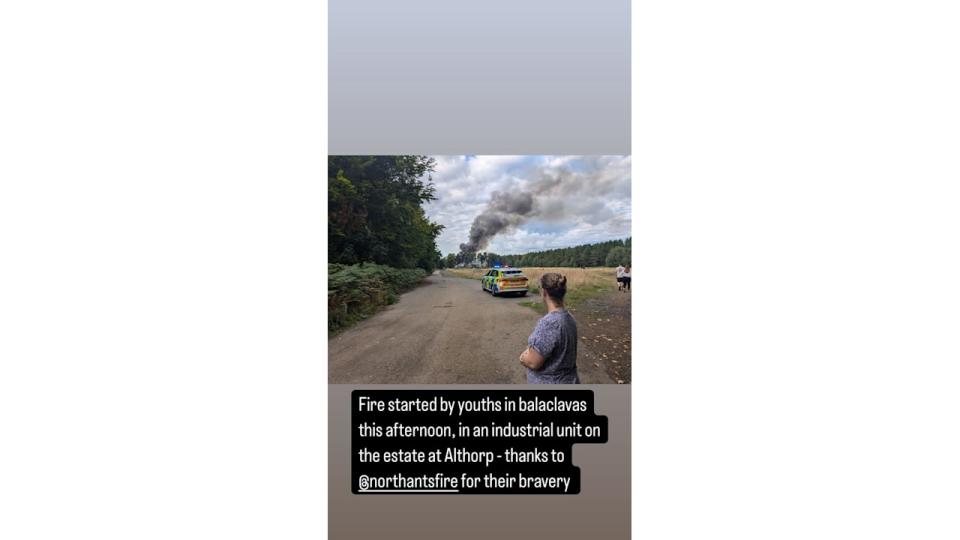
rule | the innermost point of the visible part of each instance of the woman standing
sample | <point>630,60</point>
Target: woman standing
<point>626,279</point>
<point>551,354</point>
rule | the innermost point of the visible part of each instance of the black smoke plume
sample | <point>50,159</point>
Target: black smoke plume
<point>507,210</point>
<point>503,212</point>
<point>546,195</point>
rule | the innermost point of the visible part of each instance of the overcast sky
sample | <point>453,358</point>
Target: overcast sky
<point>577,199</point>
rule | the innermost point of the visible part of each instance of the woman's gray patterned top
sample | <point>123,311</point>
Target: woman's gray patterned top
<point>555,338</point>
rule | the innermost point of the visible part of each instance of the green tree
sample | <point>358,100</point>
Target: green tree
<point>618,256</point>
<point>375,208</point>
<point>609,253</point>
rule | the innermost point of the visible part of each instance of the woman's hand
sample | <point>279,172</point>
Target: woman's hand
<point>532,359</point>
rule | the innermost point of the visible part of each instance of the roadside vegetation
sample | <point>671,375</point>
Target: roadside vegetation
<point>356,292</point>
<point>582,283</point>
<point>381,242</point>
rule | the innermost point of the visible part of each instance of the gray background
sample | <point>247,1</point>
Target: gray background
<point>600,511</point>
<point>491,77</point>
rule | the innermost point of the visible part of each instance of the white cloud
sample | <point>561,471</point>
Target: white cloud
<point>590,204</point>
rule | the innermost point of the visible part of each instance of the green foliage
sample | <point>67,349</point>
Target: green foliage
<point>450,260</point>
<point>610,253</point>
<point>618,256</point>
<point>376,211</point>
<point>357,291</point>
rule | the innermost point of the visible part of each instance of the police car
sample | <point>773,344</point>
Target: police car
<point>504,280</point>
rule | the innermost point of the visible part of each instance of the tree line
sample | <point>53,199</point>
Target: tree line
<point>609,253</point>
<point>376,214</point>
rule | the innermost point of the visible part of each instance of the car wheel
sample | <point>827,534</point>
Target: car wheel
<point>523,293</point>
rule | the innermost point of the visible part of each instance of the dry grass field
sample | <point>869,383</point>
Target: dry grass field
<point>582,283</point>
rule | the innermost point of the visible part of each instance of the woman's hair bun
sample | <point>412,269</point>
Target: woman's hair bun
<point>554,284</point>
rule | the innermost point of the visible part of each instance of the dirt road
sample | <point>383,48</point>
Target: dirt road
<point>445,331</point>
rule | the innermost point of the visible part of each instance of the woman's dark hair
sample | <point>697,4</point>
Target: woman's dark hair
<point>555,285</point>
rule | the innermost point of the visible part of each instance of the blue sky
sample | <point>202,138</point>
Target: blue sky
<point>578,199</point>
